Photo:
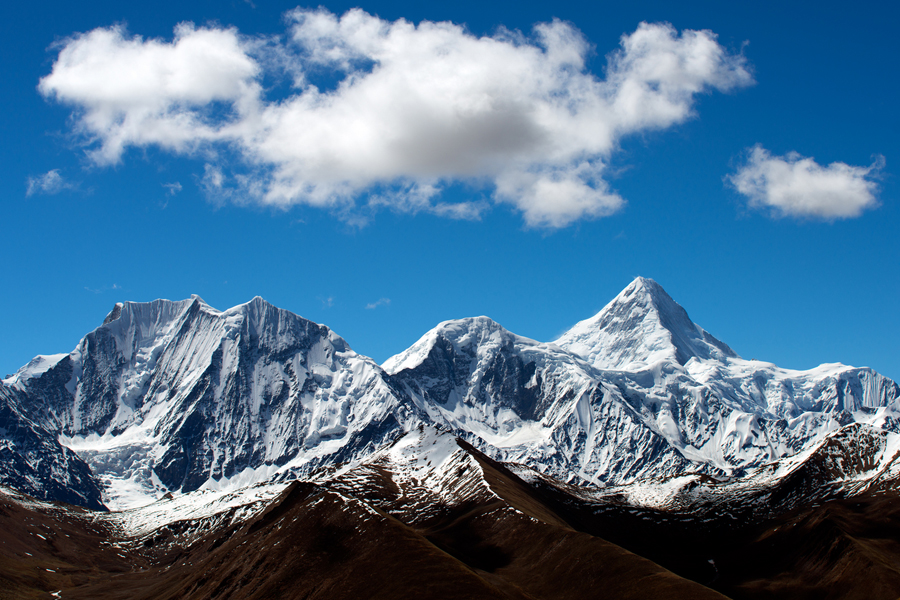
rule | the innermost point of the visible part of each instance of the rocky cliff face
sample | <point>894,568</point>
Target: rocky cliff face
<point>34,462</point>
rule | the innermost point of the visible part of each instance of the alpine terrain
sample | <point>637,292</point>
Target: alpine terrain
<point>250,453</point>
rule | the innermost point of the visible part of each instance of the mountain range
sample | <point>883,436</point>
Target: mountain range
<point>634,416</point>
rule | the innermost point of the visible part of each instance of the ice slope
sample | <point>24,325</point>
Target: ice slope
<point>178,395</point>
<point>198,512</point>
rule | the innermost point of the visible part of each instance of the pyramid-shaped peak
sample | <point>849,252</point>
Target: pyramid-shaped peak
<point>643,325</point>
<point>644,289</point>
<point>645,283</point>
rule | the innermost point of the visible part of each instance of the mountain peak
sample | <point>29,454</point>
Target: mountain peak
<point>646,289</point>
<point>643,325</point>
<point>459,334</point>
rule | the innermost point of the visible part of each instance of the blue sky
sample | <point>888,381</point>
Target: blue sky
<point>743,157</point>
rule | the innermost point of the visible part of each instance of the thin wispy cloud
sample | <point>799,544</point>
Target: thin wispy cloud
<point>416,108</point>
<point>49,183</point>
<point>377,303</point>
<point>172,188</point>
<point>796,186</point>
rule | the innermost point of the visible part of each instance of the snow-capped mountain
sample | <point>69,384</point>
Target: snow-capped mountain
<point>722,412</point>
<point>177,395</point>
<point>520,400</point>
<point>251,453</point>
<point>636,391</point>
<point>641,327</point>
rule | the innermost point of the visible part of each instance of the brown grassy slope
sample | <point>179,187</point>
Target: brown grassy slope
<point>835,549</point>
<point>315,542</point>
<point>42,551</point>
<point>517,541</point>
<point>546,557</point>
<point>847,549</point>
<point>311,543</point>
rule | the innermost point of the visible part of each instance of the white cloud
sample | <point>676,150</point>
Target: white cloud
<point>413,108</point>
<point>172,188</point>
<point>134,92</point>
<point>50,182</point>
<point>377,303</point>
<point>421,197</point>
<point>795,186</point>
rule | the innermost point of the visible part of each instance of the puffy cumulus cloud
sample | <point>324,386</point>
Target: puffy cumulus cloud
<point>134,92</point>
<point>50,182</point>
<point>556,197</point>
<point>795,186</point>
<point>413,108</point>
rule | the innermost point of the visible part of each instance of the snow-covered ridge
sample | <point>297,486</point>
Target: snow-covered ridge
<point>178,396</point>
<point>240,505</point>
<point>37,366</point>
<point>520,400</point>
<point>474,374</point>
